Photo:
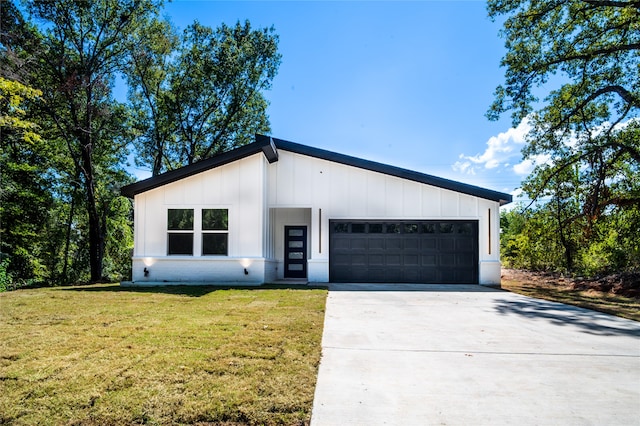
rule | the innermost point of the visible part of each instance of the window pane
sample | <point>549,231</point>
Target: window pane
<point>446,228</point>
<point>410,228</point>
<point>180,219</point>
<point>295,267</point>
<point>215,219</point>
<point>393,228</point>
<point>375,228</point>
<point>180,244</point>
<point>296,244</point>
<point>340,228</point>
<point>428,228</point>
<point>464,228</point>
<point>296,233</point>
<point>358,228</point>
<point>295,255</point>
<point>214,244</point>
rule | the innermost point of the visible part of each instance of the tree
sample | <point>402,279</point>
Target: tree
<point>201,94</point>
<point>84,44</point>
<point>586,127</point>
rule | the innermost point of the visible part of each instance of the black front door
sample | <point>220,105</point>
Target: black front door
<point>295,252</point>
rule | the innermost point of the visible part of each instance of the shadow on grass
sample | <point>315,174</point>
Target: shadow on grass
<point>590,322</point>
<point>187,290</point>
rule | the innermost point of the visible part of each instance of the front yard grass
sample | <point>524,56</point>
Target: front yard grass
<point>106,355</point>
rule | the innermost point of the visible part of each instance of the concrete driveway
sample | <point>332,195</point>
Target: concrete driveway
<point>468,355</point>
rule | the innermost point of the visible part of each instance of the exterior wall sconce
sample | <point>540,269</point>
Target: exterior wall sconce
<point>146,272</point>
<point>246,272</point>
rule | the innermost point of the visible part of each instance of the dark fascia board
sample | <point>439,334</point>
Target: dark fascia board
<point>268,146</point>
<point>464,188</point>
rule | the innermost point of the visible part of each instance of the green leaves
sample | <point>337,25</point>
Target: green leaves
<point>200,94</point>
<point>582,58</point>
<point>592,47</point>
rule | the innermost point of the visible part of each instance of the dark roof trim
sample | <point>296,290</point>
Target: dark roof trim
<point>195,168</point>
<point>269,147</point>
<point>476,191</point>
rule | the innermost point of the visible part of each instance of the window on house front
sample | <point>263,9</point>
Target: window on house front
<point>180,232</point>
<point>215,232</point>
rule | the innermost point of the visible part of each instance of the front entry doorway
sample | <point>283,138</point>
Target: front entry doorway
<point>295,252</point>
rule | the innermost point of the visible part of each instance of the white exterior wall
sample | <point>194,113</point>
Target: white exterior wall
<point>263,198</point>
<point>335,191</point>
<point>238,187</point>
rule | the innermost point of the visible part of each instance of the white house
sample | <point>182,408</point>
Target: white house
<point>274,210</point>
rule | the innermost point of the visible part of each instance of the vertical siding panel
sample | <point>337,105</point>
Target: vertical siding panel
<point>156,223</point>
<point>338,192</point>
<point>357,193</point>
<point>301,179</point>
<point>174,193</point>
<point>211,192</point>
<point>430,201</point>
<point>285,180</point>
<point>393,197</point>
<point>192,189</point>
<point>468,206</point>
<point>375,195</point>
<point>412,199</point>
<point>449,203</point>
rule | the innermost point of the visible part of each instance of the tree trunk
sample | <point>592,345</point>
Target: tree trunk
<point>65,267</point>
<point>96,236</point>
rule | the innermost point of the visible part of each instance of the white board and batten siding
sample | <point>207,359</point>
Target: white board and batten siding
<point>238,187</point>
<point>298,189</point>
<point>336,191</point>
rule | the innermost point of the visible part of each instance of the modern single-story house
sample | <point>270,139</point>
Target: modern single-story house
<point>274,210</point>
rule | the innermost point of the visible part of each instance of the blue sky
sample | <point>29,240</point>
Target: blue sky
<point>403,83</point>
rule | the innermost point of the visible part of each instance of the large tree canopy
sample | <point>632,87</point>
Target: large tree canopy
<point>573,70</point>
<point>65,138</point>
<point>593,48</point>
<point>200,94</point>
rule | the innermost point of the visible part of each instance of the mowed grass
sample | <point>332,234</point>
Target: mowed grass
<point>107,355</point>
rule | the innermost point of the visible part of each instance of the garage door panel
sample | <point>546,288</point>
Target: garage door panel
<point>411,275</point>
<point>447,244</point>
<point>393,275</point>
<point>393,260</point>
<point>464,245</point>
<point>359,260</point>
<point>412,244</point>
<point>463,260</point>
<point>411,260</point>
<point>429,260</point>
<point>376,243</point>
<point>404,251</point>
<point>429,275</point>
<point>393,243</point>
<point>447,260</point>
<point>429,244</point>
<point>376,260</point>
<point>341,244</point>
<point>359,244</point>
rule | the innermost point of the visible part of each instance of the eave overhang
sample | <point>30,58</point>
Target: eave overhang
<point>269,147</point>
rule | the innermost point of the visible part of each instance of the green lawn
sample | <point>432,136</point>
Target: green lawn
<point>104,355</point>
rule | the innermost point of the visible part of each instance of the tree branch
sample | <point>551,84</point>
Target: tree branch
<point>613,3</point>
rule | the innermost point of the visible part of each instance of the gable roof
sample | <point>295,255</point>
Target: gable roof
<point>269,147</point>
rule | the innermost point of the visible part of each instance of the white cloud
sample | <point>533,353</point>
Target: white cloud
<point>526,166</point>
<point>500,150</point>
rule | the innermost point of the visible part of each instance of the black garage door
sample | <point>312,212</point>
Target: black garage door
<point>404,251</point>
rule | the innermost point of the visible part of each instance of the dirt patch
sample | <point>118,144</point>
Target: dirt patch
<point>624,284</point>
<point>617,294</point>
